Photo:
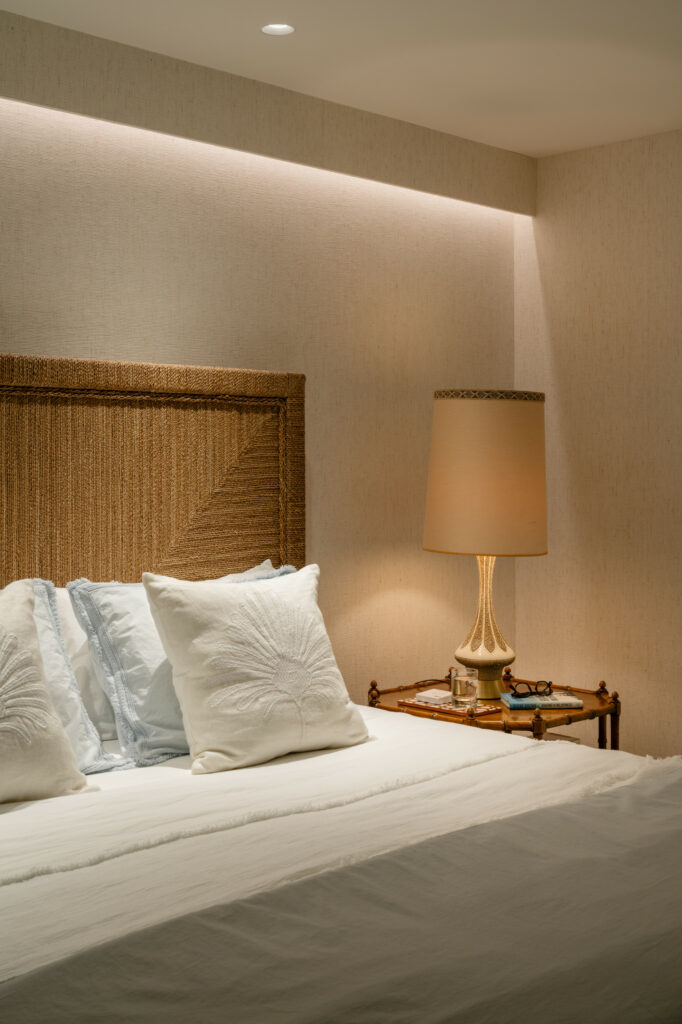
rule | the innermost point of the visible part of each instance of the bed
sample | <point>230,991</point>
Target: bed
<point>423,874</point>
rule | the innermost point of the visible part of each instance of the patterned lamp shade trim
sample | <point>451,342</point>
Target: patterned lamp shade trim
<point>511,396</point>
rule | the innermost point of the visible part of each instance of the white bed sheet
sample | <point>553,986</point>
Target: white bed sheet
<point>155,843</point>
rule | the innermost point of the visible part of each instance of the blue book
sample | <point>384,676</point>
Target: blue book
<point>556,701</point>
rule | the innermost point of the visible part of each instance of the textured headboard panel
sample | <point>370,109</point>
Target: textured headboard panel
<point>110,469</point>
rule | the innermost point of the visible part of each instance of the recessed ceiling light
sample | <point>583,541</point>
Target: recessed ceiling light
<point>277,30</point>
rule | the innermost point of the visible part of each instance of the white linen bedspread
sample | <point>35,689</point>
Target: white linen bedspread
<point>156,843</point>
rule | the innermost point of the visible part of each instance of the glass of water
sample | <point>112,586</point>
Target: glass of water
<point>464,687</point>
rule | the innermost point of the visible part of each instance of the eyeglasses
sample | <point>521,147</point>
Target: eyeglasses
<point>523,689</point>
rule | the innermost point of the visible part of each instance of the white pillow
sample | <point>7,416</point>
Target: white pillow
<point>132,667</point>
<point>63,688</point>
<point>253,669</point>
<point>96,702</point>
<point>36,759</point>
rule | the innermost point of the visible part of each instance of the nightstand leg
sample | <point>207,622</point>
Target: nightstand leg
<point>601,722</point>
<point>373,696</point>
<point>539,726</point>
<point>615,722</point>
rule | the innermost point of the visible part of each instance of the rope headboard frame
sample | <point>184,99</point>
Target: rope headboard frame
<point>112,468</point>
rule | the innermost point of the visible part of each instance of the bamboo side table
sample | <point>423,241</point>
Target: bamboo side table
<point>598,704</point>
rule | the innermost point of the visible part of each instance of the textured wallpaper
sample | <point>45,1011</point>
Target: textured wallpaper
<point>599,328</point>
<point>121,242</point>
<point>126,244</point>
<point>65,70</point>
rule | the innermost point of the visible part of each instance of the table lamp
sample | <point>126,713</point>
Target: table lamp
<point>486,497</point>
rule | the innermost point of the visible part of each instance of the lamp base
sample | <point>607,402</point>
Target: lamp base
<point>485,649</point>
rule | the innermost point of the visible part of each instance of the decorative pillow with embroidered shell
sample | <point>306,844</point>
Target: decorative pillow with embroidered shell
<point>253,669</point>
<point>36,759</point>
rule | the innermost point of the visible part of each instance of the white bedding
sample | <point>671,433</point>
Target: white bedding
<point>157,842</point>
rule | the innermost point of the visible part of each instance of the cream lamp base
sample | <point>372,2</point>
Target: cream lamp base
<point>485,649</point>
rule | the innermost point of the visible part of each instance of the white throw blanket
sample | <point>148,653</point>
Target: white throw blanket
<point>156,843</point>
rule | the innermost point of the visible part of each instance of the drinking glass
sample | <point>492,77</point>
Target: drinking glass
<point>464,687</point>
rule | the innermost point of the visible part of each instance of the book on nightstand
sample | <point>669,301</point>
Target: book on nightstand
<point>556,701</point>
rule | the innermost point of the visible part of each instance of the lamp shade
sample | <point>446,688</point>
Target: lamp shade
<point>486,488</point>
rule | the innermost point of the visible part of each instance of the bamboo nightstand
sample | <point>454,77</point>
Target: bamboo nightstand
<point>597,704</point>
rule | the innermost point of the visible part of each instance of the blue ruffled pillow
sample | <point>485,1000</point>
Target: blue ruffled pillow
<point>63,687</point>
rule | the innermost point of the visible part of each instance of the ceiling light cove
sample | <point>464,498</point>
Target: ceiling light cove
<point>277,30</point>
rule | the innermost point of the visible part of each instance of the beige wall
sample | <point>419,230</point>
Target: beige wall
<point>599,328</point>
<point>141,244</point>
<point>118,242</point>
<point>127,244</point>
<point>55,67</point>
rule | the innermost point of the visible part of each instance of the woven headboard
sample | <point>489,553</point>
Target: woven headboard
<point>110,469</point>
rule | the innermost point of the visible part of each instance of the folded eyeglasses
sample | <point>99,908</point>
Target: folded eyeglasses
<point>523,689</point>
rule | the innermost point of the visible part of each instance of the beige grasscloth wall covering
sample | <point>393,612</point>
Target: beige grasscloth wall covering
<point>55,67</point>
<point>119,242</point>
<point>599,328</point>
<point>126,244</point>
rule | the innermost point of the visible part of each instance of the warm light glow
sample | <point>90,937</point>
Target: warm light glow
<point>277,30</point>
<point>160,152</point>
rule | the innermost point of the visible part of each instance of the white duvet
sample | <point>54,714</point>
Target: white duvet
<point>155,843</point>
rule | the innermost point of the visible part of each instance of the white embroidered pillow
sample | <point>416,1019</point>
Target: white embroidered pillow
<point>36,759</point>
<point>253,669</point>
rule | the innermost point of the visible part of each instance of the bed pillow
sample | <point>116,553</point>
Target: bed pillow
<point>253,668</point>
<point>36,759</point>
<point>132,666</point>
<point>95,701</point>
<point>63,688</point>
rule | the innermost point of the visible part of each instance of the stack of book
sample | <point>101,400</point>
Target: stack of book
<point>555,701</point>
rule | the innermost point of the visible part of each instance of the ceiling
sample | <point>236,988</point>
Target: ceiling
<point>534,76</point>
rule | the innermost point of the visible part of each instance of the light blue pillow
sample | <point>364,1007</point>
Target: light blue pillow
<point>132,667</point>
<point>63,687</point>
